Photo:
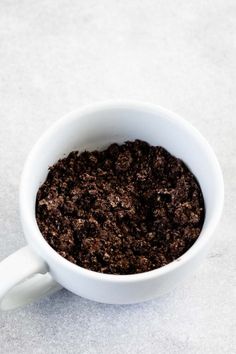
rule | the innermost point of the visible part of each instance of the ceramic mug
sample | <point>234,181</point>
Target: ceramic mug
<point>37,270</point>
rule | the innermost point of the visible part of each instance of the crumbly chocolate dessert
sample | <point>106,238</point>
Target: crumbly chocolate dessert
<point>128,209</point>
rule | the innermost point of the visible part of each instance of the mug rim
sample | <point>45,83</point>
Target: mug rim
<point>36,234</point>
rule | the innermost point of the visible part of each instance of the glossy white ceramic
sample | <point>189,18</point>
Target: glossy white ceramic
<point>37,269</point>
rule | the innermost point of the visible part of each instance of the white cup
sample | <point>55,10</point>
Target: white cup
<point>37,269</point>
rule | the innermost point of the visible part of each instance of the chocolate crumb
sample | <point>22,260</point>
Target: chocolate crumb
<point>128,209</point>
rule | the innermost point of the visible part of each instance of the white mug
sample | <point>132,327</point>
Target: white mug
<point>37,269</point>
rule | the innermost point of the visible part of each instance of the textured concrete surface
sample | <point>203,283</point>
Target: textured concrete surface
<point>56,56</point>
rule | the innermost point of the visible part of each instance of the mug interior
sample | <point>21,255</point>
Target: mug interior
<point>101,125</point>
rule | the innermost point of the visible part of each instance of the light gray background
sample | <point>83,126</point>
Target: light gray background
<point>56,56</point>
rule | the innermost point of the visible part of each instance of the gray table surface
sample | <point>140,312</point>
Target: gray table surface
<point>56,56</point>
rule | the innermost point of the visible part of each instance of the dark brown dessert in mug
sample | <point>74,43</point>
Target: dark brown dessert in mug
<point>128,209</point>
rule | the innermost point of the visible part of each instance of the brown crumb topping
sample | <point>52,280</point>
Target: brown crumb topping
<point>128,209</point>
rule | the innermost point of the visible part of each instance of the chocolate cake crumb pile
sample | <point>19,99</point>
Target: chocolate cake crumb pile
<point>128,209</point>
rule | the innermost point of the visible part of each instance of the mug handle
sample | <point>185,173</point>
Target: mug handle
<point>24,278</point>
